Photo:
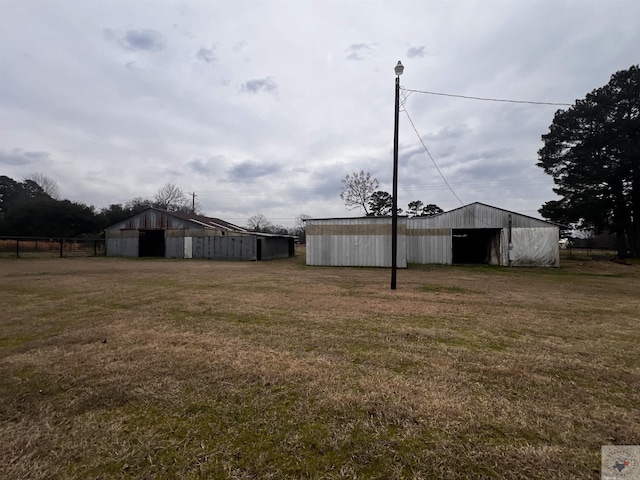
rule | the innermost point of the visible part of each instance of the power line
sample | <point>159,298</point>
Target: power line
<point>429,154</point>
<point>436,166</point>
<point>486,99</point>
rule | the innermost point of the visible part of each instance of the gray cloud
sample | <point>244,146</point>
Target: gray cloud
<point>358,51</point>
<point>259,84</point>
<point>206,167</point>
<point>249,170</point>
<point>207,55</point>
<point>181,112</point>
<point>146,39</point>
<point>18,157</point>
<point>414,52</point>
<point>448,133</point>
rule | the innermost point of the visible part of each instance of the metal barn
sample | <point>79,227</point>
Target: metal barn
<point>475,233</point>
<point>158,233</point>
<point>479,233</point>
<point>357,242</point>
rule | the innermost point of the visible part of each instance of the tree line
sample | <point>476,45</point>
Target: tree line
<point>359,190</point>
<point>32,208</point>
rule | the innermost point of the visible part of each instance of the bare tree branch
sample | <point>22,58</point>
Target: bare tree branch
<point>171,198</point>
<point>46,183</point>
<point>357,189</point>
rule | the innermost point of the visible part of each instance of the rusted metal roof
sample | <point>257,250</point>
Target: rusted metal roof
<point>208,221</point>
<point>155,218</point>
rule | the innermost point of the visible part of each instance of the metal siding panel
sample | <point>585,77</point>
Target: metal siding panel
<point>122,247</point>
<point>174,247</point>
<point>350,242</point>
<point>430,248</point>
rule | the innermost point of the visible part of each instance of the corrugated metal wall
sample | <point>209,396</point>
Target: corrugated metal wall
<point>354,242</point>
<point>174,246</point>
<point>429,245</point>
<point>122,246</point>
<point>225,248</point>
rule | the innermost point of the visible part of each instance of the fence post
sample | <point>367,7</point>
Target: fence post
<point>95,248</point>
<point>17,248</point>
<point>61,243</point>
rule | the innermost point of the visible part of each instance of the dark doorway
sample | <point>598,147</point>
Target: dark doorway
<point>151,243</point>
<point>259,249</point>
<point>478,245</point>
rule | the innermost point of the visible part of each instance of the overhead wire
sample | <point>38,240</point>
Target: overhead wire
<point>429,154</point>
<point>487,99</point>
<point>405,95</point>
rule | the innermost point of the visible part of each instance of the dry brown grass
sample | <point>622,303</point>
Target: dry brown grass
<point>113,368</point>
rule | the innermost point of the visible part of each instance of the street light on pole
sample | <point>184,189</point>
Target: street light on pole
<point>394,206</point>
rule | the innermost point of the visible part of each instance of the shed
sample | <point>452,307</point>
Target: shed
<point>159,233</point>
<point>474,233</point>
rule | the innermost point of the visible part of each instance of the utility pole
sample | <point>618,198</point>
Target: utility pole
<point>193,202</point>
<point>394,206</point>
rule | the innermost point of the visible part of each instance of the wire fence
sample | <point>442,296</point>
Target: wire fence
<point>24,247</point>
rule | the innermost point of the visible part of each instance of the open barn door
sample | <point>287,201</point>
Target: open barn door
<point>476,245</point>
<point>151,243</point>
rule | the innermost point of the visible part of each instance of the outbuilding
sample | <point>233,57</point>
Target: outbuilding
<point>475,233</point>
<point>159,233</point>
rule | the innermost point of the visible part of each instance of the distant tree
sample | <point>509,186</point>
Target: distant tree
<point>46,183</point>
<point>357,189</point>
<point>259,223</point>
<point>112,214</point>
<point>414,209</point>
<point>381,204</point>
<point>299,227</point>
<point>592,151</point>
<point>418,209</point>
<point>12,192</point>
<point>430,210</point>
<point>47,217</point>
<point>171,198</point>
<point>137,205</point>
<point>278,230</point>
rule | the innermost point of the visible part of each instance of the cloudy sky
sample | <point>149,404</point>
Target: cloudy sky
<point>264,106</point>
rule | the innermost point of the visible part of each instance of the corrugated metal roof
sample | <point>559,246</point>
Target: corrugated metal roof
<point>478,215</point>
<point>196,220</point>
<point>209,222</point>
<point>158,218</point>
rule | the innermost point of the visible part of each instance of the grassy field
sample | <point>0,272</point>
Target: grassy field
<point>145,369</point>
